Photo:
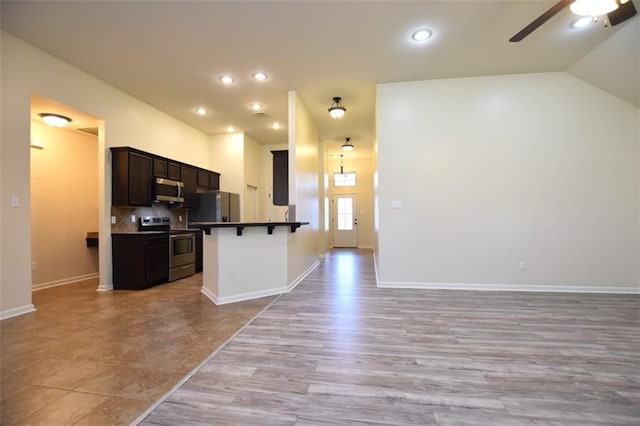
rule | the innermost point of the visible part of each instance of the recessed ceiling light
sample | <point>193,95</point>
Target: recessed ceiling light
<point>421,34</point>
<point>201,111</point>
<point>260,76</point>
<point>255,106</point>
<point>582,21</point>
<point>276,126</point>
<point>230,129</point>
<point>226,79</point>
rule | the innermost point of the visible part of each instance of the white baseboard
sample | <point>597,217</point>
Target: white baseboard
<point>506,287</point>
<point>323,256</point>
<point>257,294</point>
<point>17,311</point>
<point>302,276</point>
<point>242,296</point>
<point>366,247</point>
<point>65,281</point>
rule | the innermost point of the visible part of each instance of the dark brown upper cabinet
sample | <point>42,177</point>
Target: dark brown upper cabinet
<point>164,168</point>
<point>131,177</point>
<point>190,189</point>
<point>280,178</point>
<point>208,180</point>
<point>133,172</point>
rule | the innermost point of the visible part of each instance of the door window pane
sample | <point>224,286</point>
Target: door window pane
<point>344,179</point>
<point>345,214</point>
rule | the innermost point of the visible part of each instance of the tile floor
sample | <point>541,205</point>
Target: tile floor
<point>102,358</point>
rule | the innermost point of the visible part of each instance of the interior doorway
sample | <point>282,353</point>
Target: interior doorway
<point>63,157</point>
<point>345,222</point>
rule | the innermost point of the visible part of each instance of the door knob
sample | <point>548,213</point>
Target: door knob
<point>355,221</point>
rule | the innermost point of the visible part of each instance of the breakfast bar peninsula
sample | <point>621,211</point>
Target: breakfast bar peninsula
<point>245,260</point>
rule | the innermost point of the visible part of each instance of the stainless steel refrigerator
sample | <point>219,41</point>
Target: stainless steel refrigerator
<point>216,206</point>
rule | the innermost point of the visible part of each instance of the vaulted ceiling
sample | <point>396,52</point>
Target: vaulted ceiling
<point>170,54</point>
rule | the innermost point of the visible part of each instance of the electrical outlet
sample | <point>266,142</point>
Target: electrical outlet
<point>133,218</point>
<point>15,202</point>
<point>523,265</point>
<point>34,266</point>
<point>113,220</point>
<point>179,218</point>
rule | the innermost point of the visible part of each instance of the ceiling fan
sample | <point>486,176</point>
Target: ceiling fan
<point>622,10</point>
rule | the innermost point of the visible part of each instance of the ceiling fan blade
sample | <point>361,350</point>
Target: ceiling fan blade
<point>550,13</point>
<point>622,13</point>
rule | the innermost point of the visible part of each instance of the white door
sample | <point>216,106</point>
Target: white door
<point>345,223</point>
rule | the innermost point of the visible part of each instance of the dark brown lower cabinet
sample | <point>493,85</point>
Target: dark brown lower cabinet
<point>140,260</point>
<point>198,250</point>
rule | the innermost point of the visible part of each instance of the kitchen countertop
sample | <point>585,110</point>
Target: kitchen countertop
<point>139,232</point>
<point>206,226</point>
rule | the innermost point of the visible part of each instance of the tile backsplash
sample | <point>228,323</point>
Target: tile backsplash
<point>123,217</point>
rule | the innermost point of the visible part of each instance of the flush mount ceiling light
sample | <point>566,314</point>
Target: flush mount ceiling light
<point>421,34</point>
<point>201,111</point>
<point>55,120</point>
<point>226,79</point>
<point>347,146</point>
<point>259,76</point>
<point>593,7</point>
<point>337,110</point>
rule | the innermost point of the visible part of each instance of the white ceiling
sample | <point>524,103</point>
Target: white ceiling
<point>170,54</point>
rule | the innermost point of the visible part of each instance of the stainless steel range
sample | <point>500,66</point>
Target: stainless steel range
<point>182,246</point>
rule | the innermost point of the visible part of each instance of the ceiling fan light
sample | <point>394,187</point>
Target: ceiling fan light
<point>593,7</point>
<point>337,110</point>
<point>55,120</point>
<point>582,21</point>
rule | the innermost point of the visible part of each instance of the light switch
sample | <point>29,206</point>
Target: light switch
<point>15,202</point>
<point>397,204</point>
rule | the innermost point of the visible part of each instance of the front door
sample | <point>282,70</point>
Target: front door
<point>345,229</point>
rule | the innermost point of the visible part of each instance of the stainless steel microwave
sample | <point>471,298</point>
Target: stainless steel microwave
<point>168,190</point>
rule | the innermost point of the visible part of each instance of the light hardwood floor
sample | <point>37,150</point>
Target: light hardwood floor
<point>339,351</point>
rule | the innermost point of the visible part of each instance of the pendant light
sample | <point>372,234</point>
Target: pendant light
<point>347,145</point>
<point>337,110</point>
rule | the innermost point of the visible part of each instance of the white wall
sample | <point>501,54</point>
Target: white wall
<point>304,192</point>
<point>495,170</point>
<point>227,158</point>
<point>614,65</point>
<point>126,121</point>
